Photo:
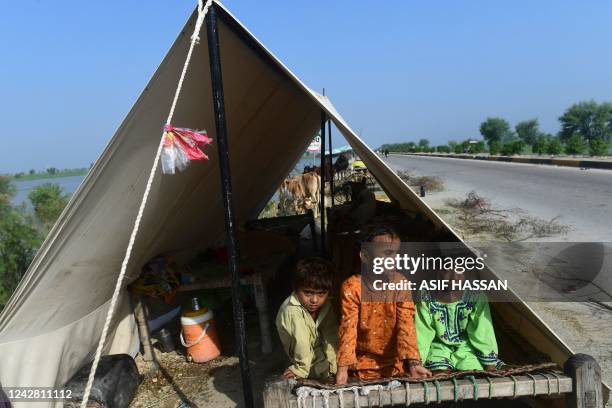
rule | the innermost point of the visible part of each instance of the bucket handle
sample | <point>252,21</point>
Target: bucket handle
<point>199,339</point>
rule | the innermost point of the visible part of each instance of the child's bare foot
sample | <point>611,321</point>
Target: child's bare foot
<point>418,371</point>
<point>443,372</point>
<point>491,367</point>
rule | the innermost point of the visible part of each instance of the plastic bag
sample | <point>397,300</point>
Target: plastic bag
<point>182,145</point>
<point>173,156</point>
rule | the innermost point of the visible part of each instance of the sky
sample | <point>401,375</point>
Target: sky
<point>396,70</point>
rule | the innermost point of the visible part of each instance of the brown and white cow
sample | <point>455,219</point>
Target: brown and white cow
<point>304,189</point>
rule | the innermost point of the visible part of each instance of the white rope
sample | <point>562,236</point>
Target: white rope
<point>369,388</point>
<point>355,397</point>
<point>202,10</point>
<point>196,341</point>
<point>304,392</point>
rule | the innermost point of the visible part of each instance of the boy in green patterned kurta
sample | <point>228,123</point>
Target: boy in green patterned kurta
<point>455,332</point>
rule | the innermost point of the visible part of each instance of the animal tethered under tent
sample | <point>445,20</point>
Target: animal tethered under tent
<point>53,322</point>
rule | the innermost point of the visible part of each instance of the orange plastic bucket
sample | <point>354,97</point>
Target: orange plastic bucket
<point>199,335</point>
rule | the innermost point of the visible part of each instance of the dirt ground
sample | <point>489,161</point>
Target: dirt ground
<point>216,383</point>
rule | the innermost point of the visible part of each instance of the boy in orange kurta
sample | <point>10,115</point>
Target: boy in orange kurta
<point>376,339</point>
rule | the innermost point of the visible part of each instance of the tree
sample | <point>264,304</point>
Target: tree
<point>32,171</point>
<point>588,120</point>
<point>408,147</point>
<point>443,149</point>
<point>540,144</point>
<point>528,131</point>
<point>18,244</point>
<point>575,144</point>
<point>48,201</point>
<point>52,170</point>
<point>494,147</point>
<point>495,130</point>
<point>598,147</point>
<point>473,146</point>
<point>554,146</point>
<point>512,147</point>
<point>7,191</point>
<point>423,145</point>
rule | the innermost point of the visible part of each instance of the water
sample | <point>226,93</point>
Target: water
<point>68,184</point>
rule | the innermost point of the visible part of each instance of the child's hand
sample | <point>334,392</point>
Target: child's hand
<point>418,371</point>
<point>342,375</point>
<point>288,374</point>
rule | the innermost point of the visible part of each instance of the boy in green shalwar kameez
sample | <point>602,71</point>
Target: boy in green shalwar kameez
<point>455,330</point>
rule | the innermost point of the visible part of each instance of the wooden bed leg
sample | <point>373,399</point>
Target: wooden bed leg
<point>261,302</point>
<point>587,391</point>
<point>148,354</point>
<point>277,392</point>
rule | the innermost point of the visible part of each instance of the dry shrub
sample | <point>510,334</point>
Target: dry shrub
<point>475,215</point>
<point>430,183</point>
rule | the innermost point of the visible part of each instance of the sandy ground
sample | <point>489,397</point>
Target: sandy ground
<point>584,327</point>
<point>216,383</point>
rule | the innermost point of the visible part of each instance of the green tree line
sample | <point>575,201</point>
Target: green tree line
<point>51,172</point>
<point>586,128</point>
<point>22,230</point>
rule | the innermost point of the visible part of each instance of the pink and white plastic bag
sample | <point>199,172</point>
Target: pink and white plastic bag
<point>181,146</point>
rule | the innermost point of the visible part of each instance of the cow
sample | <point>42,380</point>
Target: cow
<point>304,189</point>
<point>292,188</point>
<point>312,190</point>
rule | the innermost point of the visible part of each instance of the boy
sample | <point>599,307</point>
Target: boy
<point>455,330</point>
<point>377,339</point>
<point>306,322</point>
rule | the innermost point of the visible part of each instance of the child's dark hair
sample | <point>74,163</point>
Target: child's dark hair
<point>313,272</point>
<point>378,230</point>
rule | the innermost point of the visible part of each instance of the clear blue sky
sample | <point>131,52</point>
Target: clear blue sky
<point>396,70</point>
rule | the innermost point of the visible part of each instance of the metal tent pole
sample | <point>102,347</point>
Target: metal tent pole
<point>331,158</point>
<point>322,203</point>
<point>226,188</point>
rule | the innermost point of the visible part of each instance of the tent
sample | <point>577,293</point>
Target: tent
<point>52,323</point>
<point>339,150</point>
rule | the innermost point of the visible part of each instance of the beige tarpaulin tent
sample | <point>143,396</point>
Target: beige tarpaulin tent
<point>53,322</point>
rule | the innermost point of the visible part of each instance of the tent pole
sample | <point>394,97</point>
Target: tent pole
<point>322,203</point>
<point>331,157</point>
<point>226,188</point>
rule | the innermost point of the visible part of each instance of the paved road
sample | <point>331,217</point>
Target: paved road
<point>581,198</point>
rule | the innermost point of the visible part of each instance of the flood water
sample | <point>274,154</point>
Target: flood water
<point>68,184</point>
